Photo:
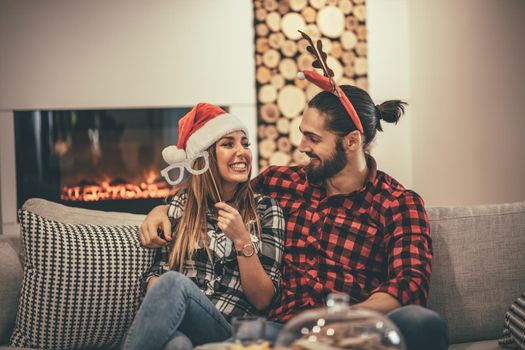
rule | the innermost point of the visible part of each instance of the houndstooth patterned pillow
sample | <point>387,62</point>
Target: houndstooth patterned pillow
<point>514,332</point>
<point>81,285</point>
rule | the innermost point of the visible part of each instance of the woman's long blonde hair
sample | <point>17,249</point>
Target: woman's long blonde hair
<point>191,230</point>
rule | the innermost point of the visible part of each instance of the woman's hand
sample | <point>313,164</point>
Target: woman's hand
<point>230,222</point>
<point>156,218</point>
<point>151,281</point>
<point>256,283</point>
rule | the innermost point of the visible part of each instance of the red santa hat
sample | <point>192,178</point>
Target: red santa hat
<point>200,128</point>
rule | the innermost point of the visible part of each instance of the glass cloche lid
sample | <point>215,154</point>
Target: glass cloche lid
<point>339,326</point>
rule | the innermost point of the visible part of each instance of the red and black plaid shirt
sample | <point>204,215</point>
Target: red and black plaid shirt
<point>372,240</point>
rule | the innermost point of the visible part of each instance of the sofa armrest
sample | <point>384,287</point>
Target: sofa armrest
<point>477,271</point>
<point>10,283</point>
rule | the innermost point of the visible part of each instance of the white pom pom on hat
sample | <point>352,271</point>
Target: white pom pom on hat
<point>301,76</point>
<point>172,154</point>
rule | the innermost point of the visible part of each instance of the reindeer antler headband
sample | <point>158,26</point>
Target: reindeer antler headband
<point>327,82</point>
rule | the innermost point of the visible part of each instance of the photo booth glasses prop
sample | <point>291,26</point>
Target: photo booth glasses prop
<point>174,173</point>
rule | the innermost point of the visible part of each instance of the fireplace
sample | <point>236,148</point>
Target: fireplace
<point>95,159</point>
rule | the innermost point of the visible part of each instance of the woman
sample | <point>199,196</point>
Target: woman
<point>223,259</point>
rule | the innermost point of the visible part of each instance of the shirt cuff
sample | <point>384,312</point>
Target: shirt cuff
<point>399,290</point>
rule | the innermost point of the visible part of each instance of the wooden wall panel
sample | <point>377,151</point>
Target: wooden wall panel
<point>280,52</point>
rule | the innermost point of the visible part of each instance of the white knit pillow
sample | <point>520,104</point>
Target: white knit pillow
<point>81,284</point>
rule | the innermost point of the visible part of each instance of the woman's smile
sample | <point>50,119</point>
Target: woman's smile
<point>239,167</point>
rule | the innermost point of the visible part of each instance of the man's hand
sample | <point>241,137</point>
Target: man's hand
<point>156,219</point>
<point>381,302</point>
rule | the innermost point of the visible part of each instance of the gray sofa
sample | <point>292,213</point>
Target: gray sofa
<point>479,255</point>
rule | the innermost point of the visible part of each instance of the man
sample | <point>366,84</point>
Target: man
<point>350,227</point>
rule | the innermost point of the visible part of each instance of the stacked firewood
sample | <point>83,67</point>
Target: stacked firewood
<point>280,52</point>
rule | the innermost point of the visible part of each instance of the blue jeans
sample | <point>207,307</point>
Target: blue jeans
<point>422,328</point>
<point>175,314</point>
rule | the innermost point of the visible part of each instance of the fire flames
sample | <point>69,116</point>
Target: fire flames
<point>151,187</point>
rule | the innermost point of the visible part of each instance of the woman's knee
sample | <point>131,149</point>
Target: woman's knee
<point>179,342</point>
<point>172,281</point>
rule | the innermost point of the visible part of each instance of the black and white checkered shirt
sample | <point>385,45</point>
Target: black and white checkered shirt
<point>220,278</point>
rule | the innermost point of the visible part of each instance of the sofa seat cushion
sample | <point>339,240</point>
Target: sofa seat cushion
<point>479,345</point>
<point>81,283</point>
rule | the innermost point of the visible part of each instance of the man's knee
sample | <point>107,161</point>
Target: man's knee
<point>415,313</point>
<point>417,322</point>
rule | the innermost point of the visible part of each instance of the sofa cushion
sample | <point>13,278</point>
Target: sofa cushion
<point>10,282</point>
<point>81,283</point>
<point>479,345</point>
<point>71,215</point>
<point>477,267</point>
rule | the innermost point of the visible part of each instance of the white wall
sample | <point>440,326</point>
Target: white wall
<point>62,54</point>
<point>467,82</point>
<point>460,66</point>
<point>7,173</point>
<point>388,68</point>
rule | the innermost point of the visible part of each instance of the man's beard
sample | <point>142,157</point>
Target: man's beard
<point>327,168</point>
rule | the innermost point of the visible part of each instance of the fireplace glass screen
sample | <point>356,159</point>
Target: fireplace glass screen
<point>96,159</point>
